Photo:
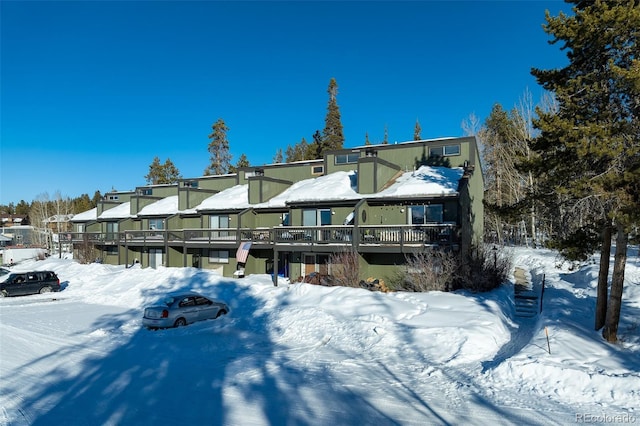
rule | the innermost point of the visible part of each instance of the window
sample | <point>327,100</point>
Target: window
<point>112,227</point>
<point>219,256</point>
<point>452,150</point>
<point>434,213</point>
<point>219,222</point>
<point>145,191</point>
<point>190,183</point>
<point>285,220</point>
<point>155,224</point>
<point>187,301</point>
<point>80,227</point>
<point>444,151</point>
<point>421,215</point>
<point>347,158</point>
<point>112,197</point>
<point>314,217</point>
<point>317,170</point>
<point>435,152</point>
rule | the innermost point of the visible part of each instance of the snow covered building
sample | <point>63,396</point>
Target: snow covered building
<point>382,202</point>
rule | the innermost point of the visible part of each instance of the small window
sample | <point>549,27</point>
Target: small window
<point>435,152</point>
<point>113,197</point>
<point>201,301</point>
<point>187,301</point>
<point>190,183</point>
<point>452,150</point>
<point>317,170</point>
<point>156,224</point>
<point>219,256</point>
<point>347,158</point>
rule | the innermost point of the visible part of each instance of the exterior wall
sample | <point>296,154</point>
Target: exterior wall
<point>262,188</point>
<point>377,166</point>
<point>106,205</point>
<point>215,183</point>
<point>114,198</point>
<point>189,198</point>
<point>157,191</point>
<point>141,201</point>
<point>294,172</point>
<point>374,173</point>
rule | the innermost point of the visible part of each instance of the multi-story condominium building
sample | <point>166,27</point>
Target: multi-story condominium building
<point>381,202</point>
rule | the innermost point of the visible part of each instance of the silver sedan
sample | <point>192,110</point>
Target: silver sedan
<point>180,309</point>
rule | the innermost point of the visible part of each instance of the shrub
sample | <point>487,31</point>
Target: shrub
<point>483,269</point>
<point>86,252</point>
<point>345,268</point>
<point>431,270</point>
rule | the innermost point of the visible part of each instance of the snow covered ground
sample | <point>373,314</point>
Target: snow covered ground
<point>300,354</point>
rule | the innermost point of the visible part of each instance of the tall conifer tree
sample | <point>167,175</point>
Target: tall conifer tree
<point>332,135</point>
<point>416,131</point>
<point>218,149</point>
<point>590,148</point>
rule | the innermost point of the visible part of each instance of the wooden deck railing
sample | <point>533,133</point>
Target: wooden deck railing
<point>382,235</point>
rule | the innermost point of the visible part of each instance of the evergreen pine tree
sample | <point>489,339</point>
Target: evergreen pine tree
<point>155,172</point>
<point>22,208</point>
<point>171,172</point>
<point>366,139</point>
<point>278,158</point>
<point>220,157</point>
<point>242,162</point>
<point>315,148</point>
<point>416,131</point>
<point>332,135</point>
<point>97,196</point>
<point>162,173</point>
<point>298,152</point>
<point>385,141</point>
<point>590,149</point>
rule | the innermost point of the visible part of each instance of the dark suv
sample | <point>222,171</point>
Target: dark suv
<point>21,283</point>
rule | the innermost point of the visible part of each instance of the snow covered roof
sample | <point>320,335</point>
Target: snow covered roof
<point>334,186</point>
<point>425,181</point>
<point>341,185</point>
<point>236,197</point>
<point>165,206</point>
<point>86,216</point>
<point>58,218</point>
<point>122,211</point>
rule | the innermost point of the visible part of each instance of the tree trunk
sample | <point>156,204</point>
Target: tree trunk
<point>610,331</point>
<point>603,278</point>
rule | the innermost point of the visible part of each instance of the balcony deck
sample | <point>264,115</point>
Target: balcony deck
<point>393,238</point>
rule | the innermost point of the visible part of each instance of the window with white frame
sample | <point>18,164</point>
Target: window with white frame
<point>451,150</point>
<point>444,151</point>
<point>218,256</point>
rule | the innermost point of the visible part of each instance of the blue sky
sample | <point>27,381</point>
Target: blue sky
<point>92,91</point>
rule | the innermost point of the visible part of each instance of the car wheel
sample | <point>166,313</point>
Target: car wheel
<point>180,322</point>
<point>46,289</point>
<point>220,313</point>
